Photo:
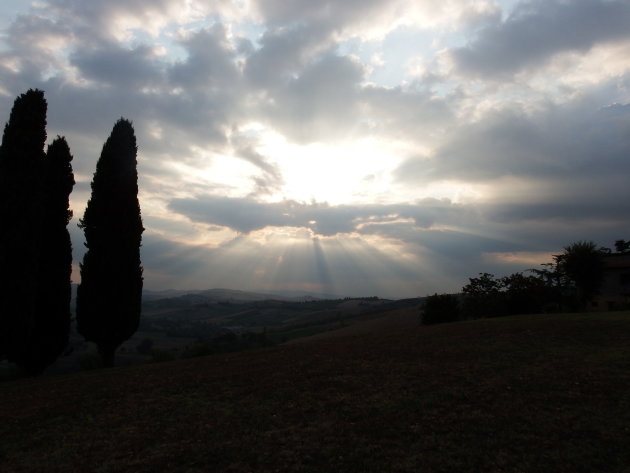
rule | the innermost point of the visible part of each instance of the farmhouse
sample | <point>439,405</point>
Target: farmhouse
<point>615,291</point>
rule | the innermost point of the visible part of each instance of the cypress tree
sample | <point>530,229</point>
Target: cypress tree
<point>52,316</point>
<point>35,249</point>
<point>110,293</point>
<point>21,162</point>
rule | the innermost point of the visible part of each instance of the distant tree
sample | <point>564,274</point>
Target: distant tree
<point>21,160</point>
<point>525,294</point>
<point>440,308</point>
<point>484,297</point>
<point>110,293</point>
<point>583,266</point>
<point>555,283</point>
<point>35,252</point>
<point>622,246</point>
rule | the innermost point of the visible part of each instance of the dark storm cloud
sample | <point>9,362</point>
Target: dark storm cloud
<point>537,30</point>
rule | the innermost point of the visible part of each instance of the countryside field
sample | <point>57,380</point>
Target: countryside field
<point>545,393</point>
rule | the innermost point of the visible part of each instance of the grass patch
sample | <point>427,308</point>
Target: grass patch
<point>520,394</point>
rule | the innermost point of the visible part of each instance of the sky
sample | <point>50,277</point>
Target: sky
<point>389,148</point>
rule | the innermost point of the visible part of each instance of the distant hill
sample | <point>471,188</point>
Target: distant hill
<point>235,295</point>
<point>224,295</point>
<point>208,311</point>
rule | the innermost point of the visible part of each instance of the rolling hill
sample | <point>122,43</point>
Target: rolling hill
<point>547,393</point>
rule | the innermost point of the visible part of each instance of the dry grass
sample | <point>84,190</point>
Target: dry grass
<point>520,394</point>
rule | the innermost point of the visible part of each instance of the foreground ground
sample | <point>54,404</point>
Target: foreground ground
<point>518,394</point>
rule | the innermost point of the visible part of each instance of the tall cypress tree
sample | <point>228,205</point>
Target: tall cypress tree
<point>51,326</point>
<point>21,163</point>
<point>35,249</point>
<point>110,293</point>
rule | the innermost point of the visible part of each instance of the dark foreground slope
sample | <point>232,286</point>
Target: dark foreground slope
<point>526,394</point>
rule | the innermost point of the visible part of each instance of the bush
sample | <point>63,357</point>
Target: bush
<point>90,361</point>
<point>198,349</point>
<point>144,347</point>
<point>440,308</point>
<point>158,356</point>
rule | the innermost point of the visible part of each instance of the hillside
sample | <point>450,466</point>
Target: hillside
<point>188,323</point>
<point>519,394</point>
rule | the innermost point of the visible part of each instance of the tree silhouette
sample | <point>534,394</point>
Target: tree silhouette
<point>440,308</point>
<point>35,249</point>
<point>21,161</point>
<point>582,264</point>
<point>483,297</point>
<point>110,293</point>
<point>622,246</point>
<point>52,315</point>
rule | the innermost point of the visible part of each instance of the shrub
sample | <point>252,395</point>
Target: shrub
<point>440,308</point>
<point>158,356</point>
<point>90,361</point>
<point>199,349</point>
<point>144,347</point>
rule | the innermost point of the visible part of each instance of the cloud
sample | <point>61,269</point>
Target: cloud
<point>372,20</point>
<point>548,176</point>
<point>406,113</point>
<point>232,101</point>
<point>117,66</point>
<point>210,63</point>
<point>557,142</point>
<point>118,19</point>
<point>537,30</point>
<point>321,103</point>
<point>246,214</point>
<point>271,179</point>
<point>283,53</point>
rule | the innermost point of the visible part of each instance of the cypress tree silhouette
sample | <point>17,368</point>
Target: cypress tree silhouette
<point>35,248</point>
<point>52,316</point>
<point>21,162</point>
<point>110,293</point>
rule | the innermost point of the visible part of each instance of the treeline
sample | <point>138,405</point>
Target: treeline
<point>567,284</point>
<point>35,247</point>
